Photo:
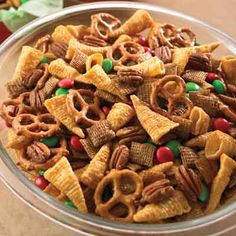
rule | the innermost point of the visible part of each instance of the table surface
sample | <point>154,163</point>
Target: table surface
<point>16,218</point>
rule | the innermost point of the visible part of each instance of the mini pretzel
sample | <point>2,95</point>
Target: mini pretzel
<point>125,52</point>
<point>74,98</point>
<point>120,195</point>
<point>181,40</point>
<point>166,34</point>
<point>44,125</point>
<point>13,107</point>
<point>103,24</point>
<point>162,89</point>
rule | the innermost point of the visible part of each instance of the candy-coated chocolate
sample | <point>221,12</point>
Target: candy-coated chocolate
<point>61,91</point>
<point>218,86</point>
<point>147,49</point>
<point>191,86</point>
<point>142,40</point>
<point>107,65</point>
<point>211,77</point>
<point>203,197</point>
<point>44,60</point>
<point>66,83</point>
<point>106,110</point>
<point>174,146</point>
<point>41,182</point>
<point>75,143</point>
<point>50,141</point>
<point>187,95</point>
<point>70,204</point>
<point>164,154</point>
<point>41,172</point>
<point>221,124</point>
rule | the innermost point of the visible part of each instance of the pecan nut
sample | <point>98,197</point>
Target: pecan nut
<point>199,62</point>
<point>130,76</point>
<point>31,78</point>
<point>93,41</point>
<point>37,99</point>
<point>157,191</point>
<point>164,54</point>
<point>130,134</point>
<point>119,158</point>
<point>59,49</point>
<point>188,182</point>
<point>38,152</point>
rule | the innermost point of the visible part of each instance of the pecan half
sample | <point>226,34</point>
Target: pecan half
<point>38,152</point>
<point>130,134</point>
<point>164,54</point>
<point>119,158</point>
<point>199,61</point>
<point>130,76</point>
<point>157,191</point>
<point>37,99</point>
<point>31,77</point>
<point>93,41</point>
<point>59,49</point>
<point>188,182</point>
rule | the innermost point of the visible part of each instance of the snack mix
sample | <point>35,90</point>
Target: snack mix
<point>130,126</point>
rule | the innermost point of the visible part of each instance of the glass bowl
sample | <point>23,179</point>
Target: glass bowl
<point>218,222</point>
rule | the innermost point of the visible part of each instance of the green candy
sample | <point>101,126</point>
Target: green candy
<point>204,195</point>
<point>44,60</point>
<point>61,91</point>
<point>107,65</point>
<point>191,86</point>
<point>70,204</point>
<point>149,144</point>
<point>51,141</point>
<point>174,146</point>
<point>218,86</point>
<point>41,172</point>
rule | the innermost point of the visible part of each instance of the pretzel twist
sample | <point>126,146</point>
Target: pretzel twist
<point>80,113</point>
<point>120,195</point>
<point>104,24</point>
<point>36,126</point>
<point>164,88</point>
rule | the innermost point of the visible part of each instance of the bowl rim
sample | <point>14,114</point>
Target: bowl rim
<point>89,219</point>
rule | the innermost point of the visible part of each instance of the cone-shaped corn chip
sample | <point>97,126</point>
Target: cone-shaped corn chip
<point>218,143</point>
<point>92,60</point>
<point>97,167</point>
<point>138,22</point>
<point>55,193</point>
<point>227,167</point>
<point>200,121</point>
<point>62,70</point>
<point>120,115</point>
<point>149,68</point>
<point>153,173</point>
<point>101,80</point>
<point>62,34</point>
<point>57,107</point>
<point>28,60</point>
<point>63,178</point>
<point>155,124</point>
<point>180,56</point>
<point>199,141</point>
<point>173,206</point>
<point>207,168</point>
<point>80,171</point>
<point>78,31</point>
<point>16,141</point>
<point>228,65</point>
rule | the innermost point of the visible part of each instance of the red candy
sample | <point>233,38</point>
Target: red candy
<point>41,182</point>
<point>147,49</point>
<point>106,110</point>
<point>164,154</point>
<point>66,83</point>
<point>142,40</point>
<point>211,77</point>
<point>221,124</point>
<point>75,143</point>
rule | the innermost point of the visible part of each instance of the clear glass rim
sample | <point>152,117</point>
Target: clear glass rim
<point>89,219</point>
